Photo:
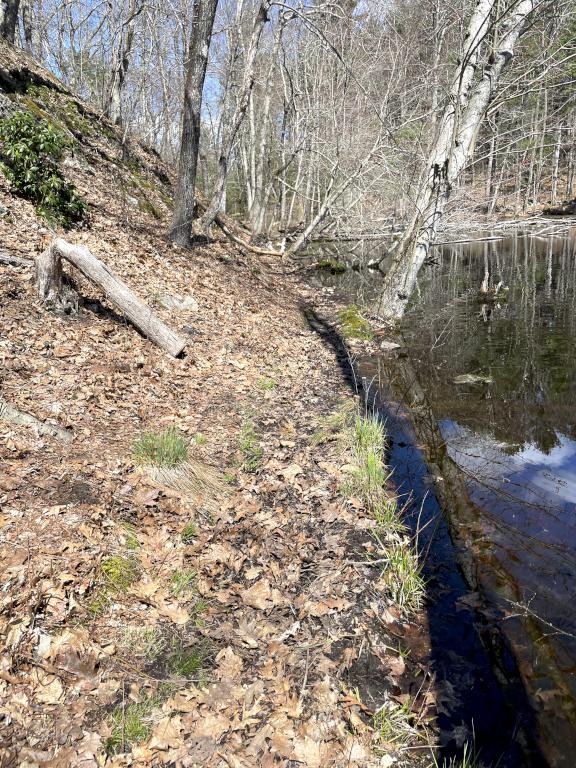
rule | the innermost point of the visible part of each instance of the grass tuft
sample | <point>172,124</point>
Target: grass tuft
<point>367,479</point>
<point>189,533</point>
<point>335,425</point>
<point>250,447</point>
<point>182,581</point>
<point>468,759</point>
<point>142,643</point>
<point>393,724</point>
<point>353,325</point>
<point>161,449</point>
<point>131,724</point>
<point>363,440</point>
<point>267,384</point>
<point>189,662</point>
<point>402,573</point>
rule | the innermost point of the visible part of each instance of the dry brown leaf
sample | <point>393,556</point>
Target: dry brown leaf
<point>259,595</point>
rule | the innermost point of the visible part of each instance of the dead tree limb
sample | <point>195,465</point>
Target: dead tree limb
<point>21,418</point>
<point>51,287</point>
<point>15,261</point>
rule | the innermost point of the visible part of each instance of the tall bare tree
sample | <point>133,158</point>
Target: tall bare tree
<point>122,61</point>
<point>185,196</point>
<point>232,122</point>
<point>462,118</point>
<point>9,19</point>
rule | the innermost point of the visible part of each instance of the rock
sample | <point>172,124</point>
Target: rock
<point>178,302</point>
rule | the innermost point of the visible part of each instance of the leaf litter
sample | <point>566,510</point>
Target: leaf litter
<point>300,633</point>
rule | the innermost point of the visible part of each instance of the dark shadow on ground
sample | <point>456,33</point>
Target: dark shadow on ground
<point>476,708</point>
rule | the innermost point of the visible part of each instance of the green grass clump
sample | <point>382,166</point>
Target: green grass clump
<point>190,662</point>
<point>188,533</point>
<point>363,440</point>
<point>250,447</point>
<point>353,325</point>
<point>335,425</point>
<point>131,724</point>
<point>366,440</point>
<point>132,541</point>
<point>31,149</point>
<point>403,574</point>
<point>367,479</point>
<point>266,383</point>
<point>368,435</point>
<point>98,604</point>
<point>387,516</point>
<point>200,439</point>
<point>120,572</point>
<point>182,581</point>
<point>470,759</point>
<point>162,449</point>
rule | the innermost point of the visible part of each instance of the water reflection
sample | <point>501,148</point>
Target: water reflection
<point>496,408</point>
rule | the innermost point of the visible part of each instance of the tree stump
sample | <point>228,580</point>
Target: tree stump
<point>52,288</point>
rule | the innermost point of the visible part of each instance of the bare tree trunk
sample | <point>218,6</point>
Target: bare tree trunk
<point>29,25</point>
<point>457,131</point>
<point>231,126</point>
<point>9,19</point>
<point>185,196</point>
<point>50,284</point>
<point>122,62</point>
<point>261,189</point>
<point>556,166</point>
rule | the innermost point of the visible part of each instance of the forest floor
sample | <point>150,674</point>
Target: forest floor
<point>233,620</point>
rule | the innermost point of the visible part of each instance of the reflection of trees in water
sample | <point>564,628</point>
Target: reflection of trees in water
<point>358,284</point>
<point>524,346</point>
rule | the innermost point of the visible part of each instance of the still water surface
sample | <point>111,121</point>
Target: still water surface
<point>491,386</point>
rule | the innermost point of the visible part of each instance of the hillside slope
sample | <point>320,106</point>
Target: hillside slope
<point>211,619</point>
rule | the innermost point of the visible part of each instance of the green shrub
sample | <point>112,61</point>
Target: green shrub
<point>31,149</point>
<point>164,449</point>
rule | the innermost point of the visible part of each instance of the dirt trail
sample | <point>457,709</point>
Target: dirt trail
<point>143,625</point>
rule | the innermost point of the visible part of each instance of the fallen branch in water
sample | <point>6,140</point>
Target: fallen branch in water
<point>467,240</point>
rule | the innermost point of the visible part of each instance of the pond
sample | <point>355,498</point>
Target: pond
<point>488,382</point>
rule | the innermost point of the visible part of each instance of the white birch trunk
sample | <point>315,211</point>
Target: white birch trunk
<point>456,135</point>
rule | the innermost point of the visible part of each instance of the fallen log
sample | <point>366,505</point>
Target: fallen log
<point>51,287</point>
<point>21,418</point>
<point>15,261</point>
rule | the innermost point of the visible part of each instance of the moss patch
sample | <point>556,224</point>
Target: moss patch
<point>353,325</point>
